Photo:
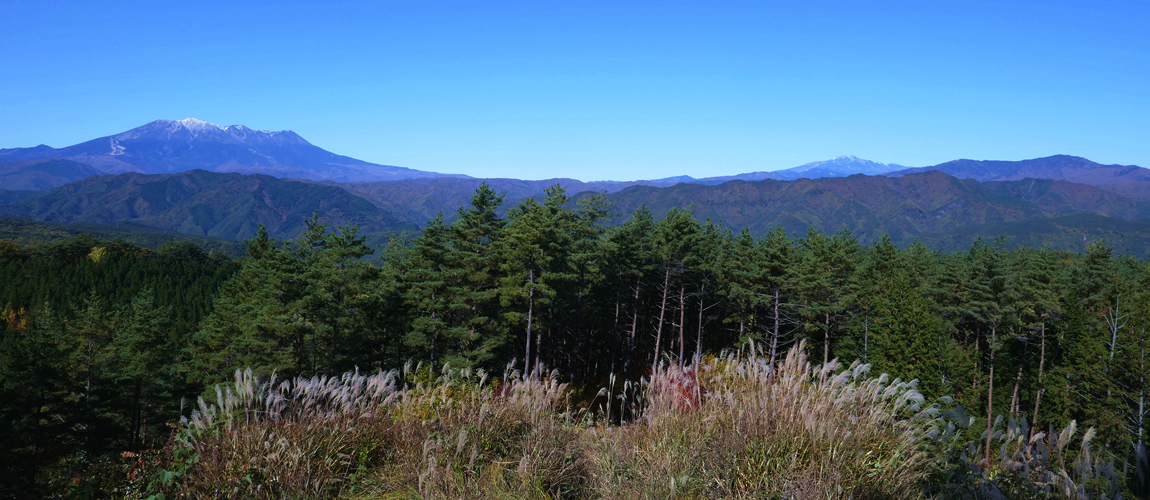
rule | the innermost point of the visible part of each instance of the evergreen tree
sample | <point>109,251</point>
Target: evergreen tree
<point>873,285</point>
<point>743,284</point>
<point>775,256</point>
<point>908,338</point>
<point>587,263</point>
<point>673,239</point>
<point>476,296</point>
<point>144,348</point>
<point>253,323</point>
<point>529,257</point>
<point>333,278</point>
<point>631,260</point>
<point>821,278</point>
<point>429,283</point>
<point>986,307</point>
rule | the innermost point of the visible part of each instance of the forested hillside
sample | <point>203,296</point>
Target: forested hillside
<point>25,232</point>
<point>1130,181</point>
<point>928,206</point>
<point>95,363</point>
<point>201,203</point>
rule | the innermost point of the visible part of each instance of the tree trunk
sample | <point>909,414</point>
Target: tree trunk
<point>137,413</point>
<point>1113,321</point>
<point>682,321</point>
<point>576,354</point>
<point>699,336</point>
<point>827,338</point>
<point>530,313</point>
<point>634,328</point>
<point>615,335</point>
<point>662,315</point>
<point>990,395</point>
<point>551,342</point>
<point>1015,403</point>
<point>1041,366</point>
<point>775,333</point>
<point>1142,394</point>
<point>977,363</point>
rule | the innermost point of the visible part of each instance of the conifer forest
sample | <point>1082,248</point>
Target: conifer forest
<point>559,349</point>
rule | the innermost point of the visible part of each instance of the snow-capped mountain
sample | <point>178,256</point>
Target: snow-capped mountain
<point>169,146</point>
<point>839,166</point>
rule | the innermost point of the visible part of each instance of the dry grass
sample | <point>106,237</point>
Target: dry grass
<point>735,428</point>
<point>456,436</point>
<point>729,427</point>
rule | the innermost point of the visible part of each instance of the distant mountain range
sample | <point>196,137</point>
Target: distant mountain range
<point>931,206</point>
<point>168,146</point>
<point>38,175</point>
<point>923,205</point>
<point>839,166</point>
<point>172,146</point>
<point>197,178</point>
<point>1127,180</point>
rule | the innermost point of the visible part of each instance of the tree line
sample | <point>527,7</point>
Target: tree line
<point>1034,335</point>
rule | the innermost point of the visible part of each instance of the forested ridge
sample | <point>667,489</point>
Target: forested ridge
<point>106,345</point>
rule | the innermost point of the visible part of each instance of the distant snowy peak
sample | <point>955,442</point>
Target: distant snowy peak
<point>195,124</point>
<point>194,129</point>
<point>843,165</point>
<point>847,163</point>
<point>839,166</point>
<point>171,146</point>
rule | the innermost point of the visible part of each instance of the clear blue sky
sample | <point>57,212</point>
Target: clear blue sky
<point>595,90</point>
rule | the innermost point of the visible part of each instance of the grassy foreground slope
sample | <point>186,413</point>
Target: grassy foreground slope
<point>727,427</point>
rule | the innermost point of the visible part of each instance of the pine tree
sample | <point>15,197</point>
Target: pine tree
<point>631,260</point>
<point>873,287</point>
<point>476,295</point>
<point>144,348</point>
<point>526,262</point>
<point>587,263</point>
<point>743,284</point>
<point>674,239</point>
<point>429,282</point>
<point>253,323</point>
<point>775,257</point>
<point>332,298</point>
<point>821,278</point>
<point>707,266</point>
<point>908,337</point>
<point>985,307</point>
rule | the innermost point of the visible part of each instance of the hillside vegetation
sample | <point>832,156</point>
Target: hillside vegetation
<point>201,203</point>
<point>939,209</point>
<point>681,358</point>
<point>28,232</point>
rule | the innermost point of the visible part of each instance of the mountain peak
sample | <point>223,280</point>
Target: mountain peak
<point>169,146</point>
<point>197,124</point>
<point>839,166</point>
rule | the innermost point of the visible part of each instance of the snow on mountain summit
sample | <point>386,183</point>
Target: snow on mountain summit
<point>196,130</point>
<point>197,124</point>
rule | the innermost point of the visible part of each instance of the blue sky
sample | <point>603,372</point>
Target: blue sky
<point>595,90</point>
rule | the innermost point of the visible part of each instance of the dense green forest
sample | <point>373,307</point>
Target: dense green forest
<point>28,232</point>
<point>106,345</point>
